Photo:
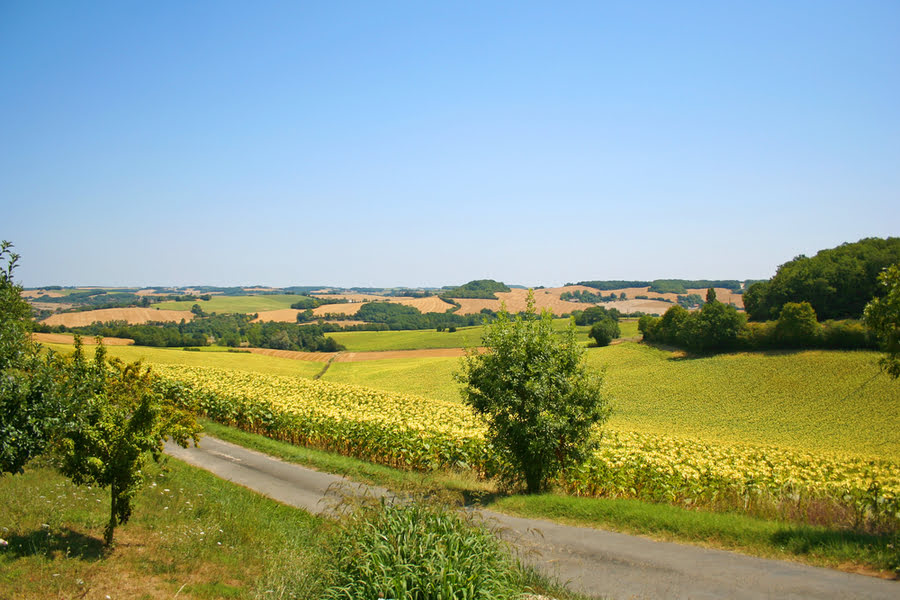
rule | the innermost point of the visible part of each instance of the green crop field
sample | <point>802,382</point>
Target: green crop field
<point>371,341</point>
<point>833,401</point>
<point>463,337</point>
<point>429,377</point>
<point>235,304</point>
<point>816,400</point>
<point>256,363</point>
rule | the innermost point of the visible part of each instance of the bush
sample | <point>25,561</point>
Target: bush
<point>604,332</point>
<point>797,326</point>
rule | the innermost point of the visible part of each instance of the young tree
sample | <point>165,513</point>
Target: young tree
<point>117,421</point>
<point>605,331</point>
<point>539,400</point>
<point>882,315</point>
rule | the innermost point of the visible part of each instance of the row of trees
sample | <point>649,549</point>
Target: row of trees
<point>717,328</point>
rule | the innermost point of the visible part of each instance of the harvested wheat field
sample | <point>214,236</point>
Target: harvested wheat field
<point>337,309</point>
<point>431,304</point>
<point>38,293</point>
<point>65,338</point>
<point>289,315</point>
<point>516,301</point>
<point>350,297</point>
<point>132,316</point>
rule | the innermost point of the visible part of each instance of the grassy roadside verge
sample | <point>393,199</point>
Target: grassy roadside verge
<point>192,535</point>
<point>817,546</point>
<point>195,536</point>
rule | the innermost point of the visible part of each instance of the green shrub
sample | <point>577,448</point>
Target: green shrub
<point>418,551</point>
<point>605,331</point>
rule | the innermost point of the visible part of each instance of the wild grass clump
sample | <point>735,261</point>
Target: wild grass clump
<point>418,551</point>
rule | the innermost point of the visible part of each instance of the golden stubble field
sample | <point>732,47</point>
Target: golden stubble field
<point>132,316</point>
<point>431,304</point>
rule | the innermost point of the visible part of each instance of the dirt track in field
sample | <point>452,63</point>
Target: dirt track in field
<point>360,356</point>
<point>132,316</point>
<point>65,338</point>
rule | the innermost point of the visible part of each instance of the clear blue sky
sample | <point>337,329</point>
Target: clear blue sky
<point>425,143</point>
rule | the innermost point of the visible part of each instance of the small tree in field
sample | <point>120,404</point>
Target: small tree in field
<point>605,331</point>
<point>117,421</point>
<point>539,400</point>
<point>882,315</point>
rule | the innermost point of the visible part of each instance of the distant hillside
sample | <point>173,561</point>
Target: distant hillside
<point>480,288</point>
<point>666,286</point>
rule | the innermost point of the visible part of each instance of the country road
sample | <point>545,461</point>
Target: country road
<point>592,561</point>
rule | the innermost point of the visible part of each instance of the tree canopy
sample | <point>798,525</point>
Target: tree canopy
<point>539,400</point>
<point>882,315</point>
<point>837,282</point>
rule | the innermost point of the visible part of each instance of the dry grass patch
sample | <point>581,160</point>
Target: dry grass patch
<point>65,338</point>
<point>132,316</point>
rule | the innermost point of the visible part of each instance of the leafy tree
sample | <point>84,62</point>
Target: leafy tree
<point>882,315</point>
<point>605,331</point>
<point>28,406</point>
<point>117,420</point>
<point>539,400</point>
<point>714,327</point>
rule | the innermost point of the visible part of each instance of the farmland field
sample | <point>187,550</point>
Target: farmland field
<point>463,337</point>
<point>405,430</point>
<point>212,356</point>
<point>129,315</point>
<point>235,304</point>
<point>814,400</point>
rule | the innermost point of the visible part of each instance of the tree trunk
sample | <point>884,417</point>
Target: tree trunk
<point>111,526</point>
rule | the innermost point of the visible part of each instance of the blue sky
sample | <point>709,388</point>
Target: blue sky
<point>411,143</point>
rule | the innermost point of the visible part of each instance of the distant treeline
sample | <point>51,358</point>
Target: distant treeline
<point>224,330</point>
<point>717,327</point>
<point>665,286</point>
<point>837,283</point>
<point>381,316</point>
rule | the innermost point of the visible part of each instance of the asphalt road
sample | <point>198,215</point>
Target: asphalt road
<point>592,561</point>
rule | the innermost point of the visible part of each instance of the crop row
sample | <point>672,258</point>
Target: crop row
<point>412,432</point>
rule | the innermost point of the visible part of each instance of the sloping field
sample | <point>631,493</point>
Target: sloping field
<point>425,305</point>
<point>238,361</point>
<point>337,309</point>
<point>65,338</point>
<point>235,304</point>
<point>133,316</point>
<point>832,401</point>
<point>349,297</point>
<point>289,315</point>
<point>37,293</point>
<point>550,298</point>
<point>516,301</point>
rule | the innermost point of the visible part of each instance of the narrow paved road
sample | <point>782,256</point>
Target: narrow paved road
<point>596,562</point>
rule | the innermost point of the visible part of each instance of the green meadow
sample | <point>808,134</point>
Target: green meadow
<point>463,337</point>
<point>234,304</point>
<point>820,400</point>
<point>831,401</point>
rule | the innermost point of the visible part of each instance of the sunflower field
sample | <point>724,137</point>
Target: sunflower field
<point>412,432</point>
